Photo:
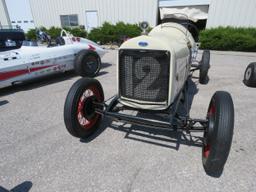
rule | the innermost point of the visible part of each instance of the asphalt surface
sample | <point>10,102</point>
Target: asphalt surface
<point>38,154</point>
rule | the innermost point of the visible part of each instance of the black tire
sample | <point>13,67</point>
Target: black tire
<point>204,67</point>
<point>79,111</point>
<point>219,134</point>
<point>250,75</point>
<point>87,63</point>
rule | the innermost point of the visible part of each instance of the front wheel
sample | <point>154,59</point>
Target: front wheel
<point>219,133</point>
<point>80,117</point>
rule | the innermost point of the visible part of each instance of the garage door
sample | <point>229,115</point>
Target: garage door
<point>20,13</point>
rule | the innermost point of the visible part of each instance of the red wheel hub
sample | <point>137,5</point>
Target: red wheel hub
<point>86,115</point>
<point>212,110</point>
<point>206,151</point>
<point>210,116</point>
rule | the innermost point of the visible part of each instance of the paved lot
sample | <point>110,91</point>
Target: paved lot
<point>37,153</point>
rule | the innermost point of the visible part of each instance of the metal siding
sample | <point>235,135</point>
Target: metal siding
<point>4,18</point>
<point>237,13</point>
<point>175,3</point>
<point>47,12</point>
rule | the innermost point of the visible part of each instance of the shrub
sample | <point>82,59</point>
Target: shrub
<point>127,30</point>
<point>114,33</point>
<point>95,35</point>
<point>54,32</point>
<point>78,32</point>
<point>229,39</point>
<point>107,33</point>
<point>31,34</point>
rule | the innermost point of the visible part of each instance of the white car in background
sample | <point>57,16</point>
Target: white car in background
<point>32,60</point>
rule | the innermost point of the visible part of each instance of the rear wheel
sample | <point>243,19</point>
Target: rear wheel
<point>204,67</point>
<point>250,75</point>
<point>87,63</point>
<point>219,133</point>
<point>80,117</point>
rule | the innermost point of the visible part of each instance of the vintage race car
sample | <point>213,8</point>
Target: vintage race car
<point>154,71</point>
<point>33,61</point>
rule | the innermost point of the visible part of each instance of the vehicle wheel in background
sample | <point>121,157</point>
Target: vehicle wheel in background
<point>80,117</point>
<point>250,75</point>
<point>87,63</point>
<point>219,133</point>
<point>204,67</point>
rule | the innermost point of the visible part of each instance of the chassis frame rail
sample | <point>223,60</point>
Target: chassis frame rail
<point>175,123</point>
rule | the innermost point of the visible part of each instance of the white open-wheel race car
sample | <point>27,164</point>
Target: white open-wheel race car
<point>153,75</point>
<point>20,62</point>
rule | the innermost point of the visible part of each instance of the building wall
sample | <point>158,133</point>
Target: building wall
<point>20,13</point>
<point>47,12</point>
<point>237,13</point>
<point>4,19</point>
<point>177,3</point>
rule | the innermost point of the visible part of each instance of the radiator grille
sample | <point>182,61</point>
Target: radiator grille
<point>144,75</point>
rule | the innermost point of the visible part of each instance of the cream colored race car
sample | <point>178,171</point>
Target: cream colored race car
<point>154,75</point>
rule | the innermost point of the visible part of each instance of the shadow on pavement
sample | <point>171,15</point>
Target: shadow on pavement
<point>160,137</point>
<point>163,138</point>
<point>23,187</point>
<point>105,65</point>
<point>4,102</point>
<point>104,124</point>
<point>37,83</point>
<point>44,81</point>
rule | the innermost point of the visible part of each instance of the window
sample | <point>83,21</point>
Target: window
<point>69,20</point>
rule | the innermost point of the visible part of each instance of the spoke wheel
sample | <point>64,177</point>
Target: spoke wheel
<point>80,117</point>
<point>86,115</point>
<point>211,121</point>
<point>219,133</point>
